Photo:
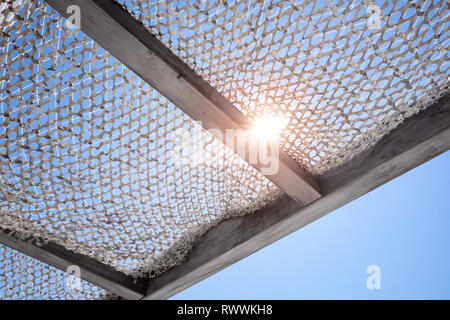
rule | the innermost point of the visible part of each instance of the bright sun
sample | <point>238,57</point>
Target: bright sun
<point>269,127</point>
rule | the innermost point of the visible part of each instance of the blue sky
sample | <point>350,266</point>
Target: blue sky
<point>402,227</point>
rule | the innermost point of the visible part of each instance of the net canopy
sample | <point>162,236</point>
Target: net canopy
<point>95,159</point>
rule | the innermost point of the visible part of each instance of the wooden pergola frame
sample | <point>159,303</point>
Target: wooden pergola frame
<point>418,139</point>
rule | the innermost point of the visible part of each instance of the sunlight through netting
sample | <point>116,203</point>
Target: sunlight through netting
<point>344,73</point>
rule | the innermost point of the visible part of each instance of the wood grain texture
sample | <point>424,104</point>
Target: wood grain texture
<point>418,139</point>
<point>113,28</point>
<point>91,270</point>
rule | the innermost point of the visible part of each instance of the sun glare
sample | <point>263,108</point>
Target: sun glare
<point>269,127</point>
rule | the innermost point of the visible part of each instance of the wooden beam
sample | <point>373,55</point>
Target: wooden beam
<point>91,270</point>
<point>416,140</point>
<point>113,28</point>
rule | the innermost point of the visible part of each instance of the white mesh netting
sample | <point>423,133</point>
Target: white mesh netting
<point>22,277</point>
<point>340,78</point>
<point>96,160</point>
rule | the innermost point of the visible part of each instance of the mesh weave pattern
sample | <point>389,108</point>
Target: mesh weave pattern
<point>340,78</point>
<point>95,159</point>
